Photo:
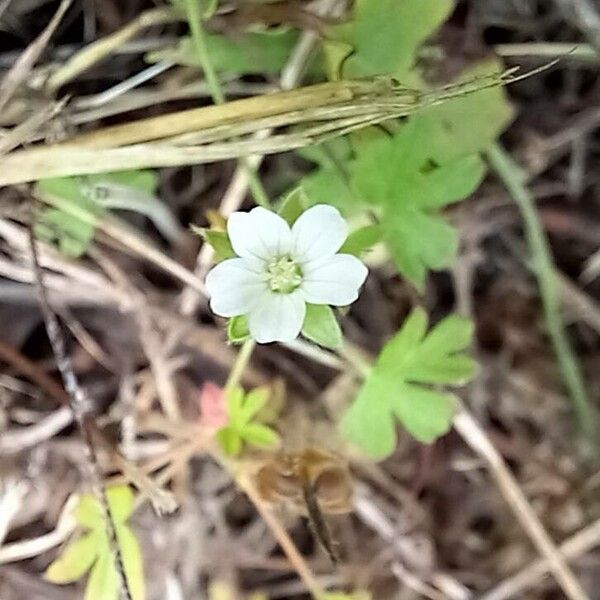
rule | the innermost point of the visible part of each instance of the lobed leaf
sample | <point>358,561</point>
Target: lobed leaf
<point>399,384</point>
<point>383,36</point>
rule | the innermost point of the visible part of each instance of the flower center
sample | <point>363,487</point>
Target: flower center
<point>283,275</point>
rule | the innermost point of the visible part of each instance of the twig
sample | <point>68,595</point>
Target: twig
<point>12,494</point>
<point>514,179</point>
<point>100,49</point>
<point>28,129</point>
<point>585,16</point>
<point>282,537</point>
<point>477,439</point>
<point>17,440</point>
<point>22,67</point>
<point>34,547</point>
<point>78,402</point>
<point>545,50</point>
<point>516,584</point>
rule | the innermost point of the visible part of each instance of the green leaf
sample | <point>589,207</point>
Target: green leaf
<point>259,435</point>
<point>75,560</point>
<point>208,7</point>
<point>329,183</point>
<point>120,502</point>
<point>368,423</point>
<point>400,381</point>
<point>238,330</point>
<point>398,174</point>
<point>89,513</point>
<point>218,240</point>
<point>385,35</point>
<point>77,206</point>
<point>229,440</point>
<point>103,583</point>
<point>321,326</point>
<point>250,53</point>
<point>253,401</point>
<point>457,134</point>
<point>419,241</point>
<point>425,413</point>
<point>293,205</point>
<point>132,561</point>
<point>361,240</point>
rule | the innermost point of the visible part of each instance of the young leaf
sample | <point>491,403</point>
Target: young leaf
<point>230,441</point>
<point>238,330</point>
<point>259,435</point>
<point>398,384</point>
<point>321,327</point>
<point>253,401</point>
<point>132,561</point>
<point>120,502</point>
<point>218,240</point>
<point>75,560</point>
<point>213,413</point>
<point>103,583</point>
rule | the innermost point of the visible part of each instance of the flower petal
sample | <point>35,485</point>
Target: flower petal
<point>277,317</point>
<point>259,233</point>
<point>234,286</point>
<point>318,232</point>
<point>334,281</point>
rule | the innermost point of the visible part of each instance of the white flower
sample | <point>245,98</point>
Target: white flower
<point>279,269</point>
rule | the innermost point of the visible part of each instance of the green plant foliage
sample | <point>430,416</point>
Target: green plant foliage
<point>207,7</point>
<point>238,330</point>
<point>363,239</point>
<point>383,36</point>
<point>456,134</point>
<point>218,240</point>
<point>293,205</point>
<point>242,425</point>
<point>92,551</point>
<point>401,384</point>
<point>250,53</point>
<point>78,203</point>
<point>321,326</point>
<point>397,175</point>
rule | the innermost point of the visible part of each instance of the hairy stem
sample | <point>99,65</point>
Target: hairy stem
<point>194,17</point>
<point>241,362</point>
<point>512,176</point>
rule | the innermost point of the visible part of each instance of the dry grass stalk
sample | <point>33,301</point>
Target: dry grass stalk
<point>477,439</point>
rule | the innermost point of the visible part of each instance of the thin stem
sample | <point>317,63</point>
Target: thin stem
<point>514,179</point>
<point>241,362</point>
<point>78,402</point>
<point>194,18</point>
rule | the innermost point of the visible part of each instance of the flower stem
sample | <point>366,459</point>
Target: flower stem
<point>194,17</point>
<point>514,179</point>
<point>241,362</point>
